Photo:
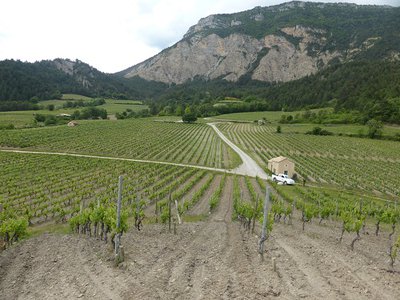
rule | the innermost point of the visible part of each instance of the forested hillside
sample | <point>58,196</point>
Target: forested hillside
<point>23,81</point>
<point>371,87</point>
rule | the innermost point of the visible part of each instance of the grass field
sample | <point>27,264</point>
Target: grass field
<point>114,106</point>
<point>17,118</point>
<point>22,119</point>
<point>271,116</point>
<point>344,129</point>
<point>25,118</point>
<point>75,97</point>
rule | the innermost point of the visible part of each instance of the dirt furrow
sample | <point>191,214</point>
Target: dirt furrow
<point>202,207</point>
<point>314,284</point>
<point>332,266</point>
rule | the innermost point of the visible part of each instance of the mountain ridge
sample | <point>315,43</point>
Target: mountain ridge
<point>47,79</point>
<point>310,35</point>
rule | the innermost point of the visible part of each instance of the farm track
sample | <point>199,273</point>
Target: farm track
<point>249,167</point>
<point>117,158</point>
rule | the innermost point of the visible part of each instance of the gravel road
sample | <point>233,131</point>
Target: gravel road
<point>249,167</point>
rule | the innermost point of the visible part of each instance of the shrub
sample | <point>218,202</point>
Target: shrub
<point>319,131</point>
<point>189,118</point>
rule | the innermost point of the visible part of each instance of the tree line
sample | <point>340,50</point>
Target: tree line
<point>370,88</point>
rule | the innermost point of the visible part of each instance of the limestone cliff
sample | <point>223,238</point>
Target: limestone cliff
<point>264,44</point>
<point>233,56</point>
<point>81,72</point>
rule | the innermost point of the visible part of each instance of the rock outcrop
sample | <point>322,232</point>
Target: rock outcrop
<point>266,44</point>
<point>272,58</point>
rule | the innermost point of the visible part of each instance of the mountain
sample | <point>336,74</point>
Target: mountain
<point>276,44</point>
<point>49,78</point>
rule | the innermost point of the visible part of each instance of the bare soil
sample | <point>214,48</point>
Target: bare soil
<point>202,207</point>
<point>214,259</point>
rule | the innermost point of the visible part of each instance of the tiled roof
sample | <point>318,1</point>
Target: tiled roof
<point>278,159</point>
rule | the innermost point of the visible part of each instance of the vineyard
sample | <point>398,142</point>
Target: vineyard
<point>195,144</point>
<point>365,164</point>
<point>60,185</point>
<point>194,233</point>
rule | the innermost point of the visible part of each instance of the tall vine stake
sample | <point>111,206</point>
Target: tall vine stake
<point>264,225</point>
<point>118,235</point>
<point>169,212</point>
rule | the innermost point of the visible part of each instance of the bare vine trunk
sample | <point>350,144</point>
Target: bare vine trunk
<point>341,235</point>
<point>391,234</point>
<point>357,238</point>
<point>377,227</point>
<point>391,256</point>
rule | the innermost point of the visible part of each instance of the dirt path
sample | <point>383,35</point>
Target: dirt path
<point>249,167</point>
<point>116,158</point>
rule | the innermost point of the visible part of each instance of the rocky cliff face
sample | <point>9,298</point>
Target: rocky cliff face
<point>80,71</point>
<point>272,58</point>
<point>231,46</point>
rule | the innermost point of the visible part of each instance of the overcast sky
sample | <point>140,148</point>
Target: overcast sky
<point>109,35</point>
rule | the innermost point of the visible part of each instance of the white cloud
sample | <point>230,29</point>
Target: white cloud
<point>110,35</point>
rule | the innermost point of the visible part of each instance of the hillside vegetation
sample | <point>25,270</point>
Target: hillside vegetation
<point>370,87</point>
<point>22,84</point>
<point>297,55</point>
<point>347,25</point>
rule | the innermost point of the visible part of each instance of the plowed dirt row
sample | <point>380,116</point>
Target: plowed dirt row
<point>215,259</point>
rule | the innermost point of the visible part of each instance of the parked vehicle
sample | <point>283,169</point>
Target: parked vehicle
<point>282,178</point>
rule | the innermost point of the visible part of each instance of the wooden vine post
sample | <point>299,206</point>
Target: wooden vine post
<point>255,215</point>
<point>156,212</point>
<point>119,253</point>
<point>264,232</point>
<point>169,212</point>
<point>80,229</point>
<point>177,212</point>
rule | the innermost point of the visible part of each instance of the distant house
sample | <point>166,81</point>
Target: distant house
<point>281,165</point>
<point>72,124</point>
